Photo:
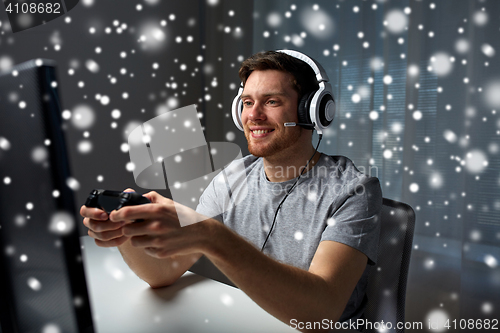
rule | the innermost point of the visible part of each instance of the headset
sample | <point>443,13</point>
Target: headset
<point>316,109</point>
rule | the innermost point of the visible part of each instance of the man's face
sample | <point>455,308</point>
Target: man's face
<point>269,101</point>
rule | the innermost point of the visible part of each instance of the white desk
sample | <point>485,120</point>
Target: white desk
<point>123,303</point>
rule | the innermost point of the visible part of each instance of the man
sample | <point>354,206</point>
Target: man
<point>314,264</point>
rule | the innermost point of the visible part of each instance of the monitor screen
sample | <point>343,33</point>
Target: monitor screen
<point>42,281</point>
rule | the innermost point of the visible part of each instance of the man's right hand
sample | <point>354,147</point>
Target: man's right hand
<point>105,232</point>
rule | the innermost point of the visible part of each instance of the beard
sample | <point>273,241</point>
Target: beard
<point>280,141</point>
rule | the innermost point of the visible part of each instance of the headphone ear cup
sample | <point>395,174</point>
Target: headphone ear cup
<point>237,109</point>
<point>303,108</point>
<point>326,109</point>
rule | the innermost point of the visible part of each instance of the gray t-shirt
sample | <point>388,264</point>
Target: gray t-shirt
<point>333,201</point>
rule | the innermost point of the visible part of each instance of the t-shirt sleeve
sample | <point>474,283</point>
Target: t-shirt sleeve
<point>208,204</point>
<point>356,220</point>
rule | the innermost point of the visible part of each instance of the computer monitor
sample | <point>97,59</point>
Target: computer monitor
<point>42,281</point>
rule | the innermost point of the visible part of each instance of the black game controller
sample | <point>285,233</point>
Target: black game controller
<point>111,200</point>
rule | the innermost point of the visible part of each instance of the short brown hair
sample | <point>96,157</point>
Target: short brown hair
<point>304,76</point>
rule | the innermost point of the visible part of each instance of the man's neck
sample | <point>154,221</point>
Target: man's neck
<point>289,167</point>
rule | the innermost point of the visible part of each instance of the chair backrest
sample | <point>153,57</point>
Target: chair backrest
<point>387,281</point>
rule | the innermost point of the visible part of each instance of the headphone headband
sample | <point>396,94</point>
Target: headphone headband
<point>317,68</point>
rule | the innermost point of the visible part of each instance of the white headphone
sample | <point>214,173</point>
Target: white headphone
<point>316,109</point>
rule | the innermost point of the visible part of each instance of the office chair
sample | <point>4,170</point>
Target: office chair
<point>387,281</point>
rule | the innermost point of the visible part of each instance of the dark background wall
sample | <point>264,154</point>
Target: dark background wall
<point>416,84</point>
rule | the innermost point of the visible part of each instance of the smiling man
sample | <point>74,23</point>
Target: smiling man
<point>304,259</point>
<point>270,100</point>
